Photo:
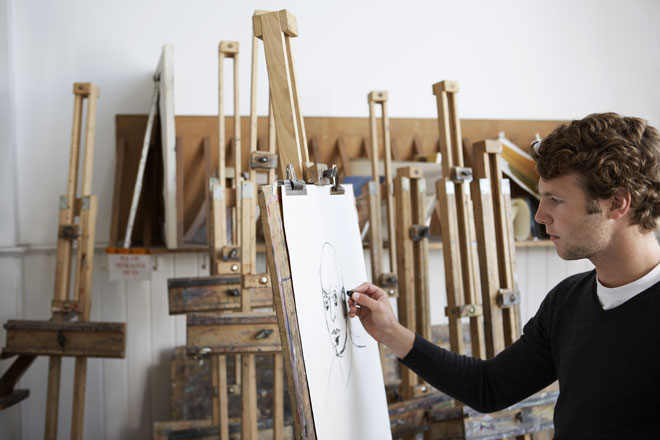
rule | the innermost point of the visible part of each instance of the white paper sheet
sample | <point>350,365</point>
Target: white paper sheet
<point>341,360</point>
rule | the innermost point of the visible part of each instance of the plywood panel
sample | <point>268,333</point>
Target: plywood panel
<point>326,131</point>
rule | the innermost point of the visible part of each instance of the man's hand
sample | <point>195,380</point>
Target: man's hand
<point>372,305</point>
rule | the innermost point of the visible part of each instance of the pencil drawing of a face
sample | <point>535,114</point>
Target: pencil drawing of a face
<point>334,299</point>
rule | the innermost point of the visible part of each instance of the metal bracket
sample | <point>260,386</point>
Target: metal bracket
<point>467,310</point>
<point>234,292</point>
<point>230,253</point>
<point>69,232</point>
<point>461,174</point>
<point>419,232</point>
<point>61,339</point>
<point>292,186</point>
<point>387,279</point>
<point>263,333</point>
<point>508,298</point>
<point>261,160</point>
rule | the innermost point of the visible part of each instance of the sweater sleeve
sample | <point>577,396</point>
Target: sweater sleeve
<point>519,371</point>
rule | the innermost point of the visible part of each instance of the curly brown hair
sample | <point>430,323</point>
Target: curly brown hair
<point>607,151</point>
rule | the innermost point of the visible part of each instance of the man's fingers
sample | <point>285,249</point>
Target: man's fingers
<point>364,300</point>
<point>370,289</point>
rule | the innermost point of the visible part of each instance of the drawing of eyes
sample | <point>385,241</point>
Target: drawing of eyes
<point>326,299</point>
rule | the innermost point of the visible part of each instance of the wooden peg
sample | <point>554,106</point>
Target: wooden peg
<point>288,23</point>
<point>229,48</point>
<point>377,96</point>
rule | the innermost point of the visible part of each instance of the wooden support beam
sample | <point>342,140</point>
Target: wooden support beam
<point>61,338</point>
<point>255,332</point>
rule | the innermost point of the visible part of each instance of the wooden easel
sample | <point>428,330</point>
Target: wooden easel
<point>457,226</point>
<point>58,337</point>
<point>234,283</point>
<point>387,280</point>
<point>412,234</point>
<point>493,220</point>
<point>489,225</point>
<point>276,29</point>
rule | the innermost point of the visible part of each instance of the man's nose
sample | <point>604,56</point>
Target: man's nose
<point>541,216</point>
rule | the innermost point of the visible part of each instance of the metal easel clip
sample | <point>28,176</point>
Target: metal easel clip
<point>461,174</point>
<point>508,298</point>
<point>332,174</point>
<point>292,186</point>
<point>419,232</point>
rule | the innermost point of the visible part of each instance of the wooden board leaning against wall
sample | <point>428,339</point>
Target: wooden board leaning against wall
<point>410,137</point>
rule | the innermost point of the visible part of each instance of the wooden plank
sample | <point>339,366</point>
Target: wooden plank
<point>212,293</point>
<point>165,72</point>
<point>278,265</point>
<point>52,338</point>
<point>233,338</point>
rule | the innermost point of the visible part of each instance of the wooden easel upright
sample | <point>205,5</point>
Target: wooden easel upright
<point>276,29</point>
<point>412,234</point>
<point>387,280</point>
<point>457,226</point>
<point>59,337</point>
<point>490,225</point>
<point>493,220</point>
<point>234,283</point>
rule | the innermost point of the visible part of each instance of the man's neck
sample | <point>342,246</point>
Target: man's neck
<point>627,259</point>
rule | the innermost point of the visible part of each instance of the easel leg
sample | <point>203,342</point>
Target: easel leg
<point>249,429</point>
<point>53,397</point>
<point>220,404</point>
<point>278,397</point>
<point>79,385</point>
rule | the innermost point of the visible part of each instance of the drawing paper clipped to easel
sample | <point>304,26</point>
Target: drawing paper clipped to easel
<point>341,360</point>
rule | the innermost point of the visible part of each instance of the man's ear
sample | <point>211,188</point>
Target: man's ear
<point>619,204</point>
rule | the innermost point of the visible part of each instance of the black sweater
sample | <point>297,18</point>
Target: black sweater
<point>607,363</point>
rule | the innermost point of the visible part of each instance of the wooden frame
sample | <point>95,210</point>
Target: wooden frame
<point>386,280</point>
<point>57,337</point>
<point>457,224</point>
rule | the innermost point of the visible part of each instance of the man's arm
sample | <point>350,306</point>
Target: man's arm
<point>485,385</point>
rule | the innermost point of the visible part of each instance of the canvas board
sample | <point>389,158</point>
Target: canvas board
<point>168,142</point>
<point>341,360</point>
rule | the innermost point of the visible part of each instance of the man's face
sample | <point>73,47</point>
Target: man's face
<point>563,210</point>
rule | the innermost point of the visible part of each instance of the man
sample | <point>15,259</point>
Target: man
<point>597,333</point>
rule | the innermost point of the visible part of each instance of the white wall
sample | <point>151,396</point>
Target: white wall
<point>514,59</point>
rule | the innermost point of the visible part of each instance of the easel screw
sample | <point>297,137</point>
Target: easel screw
<point>390,292</point>
<point>234,267</point>
<point>263,280</point>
